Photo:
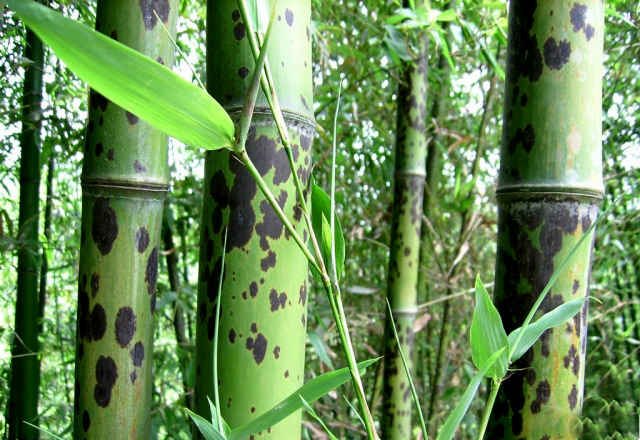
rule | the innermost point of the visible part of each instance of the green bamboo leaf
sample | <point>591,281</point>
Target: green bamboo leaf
<point>487,333</point>
<point>313,414</point>
<point>209,432</point>
<point>532,332</point>
<point>136,83</point>
<point>453,421</point>
<point>321,208</point>
<point>311,391</point>
<point>448,15</point>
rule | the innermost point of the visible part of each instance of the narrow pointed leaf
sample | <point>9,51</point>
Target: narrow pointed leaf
<point>453,421</point>
<point>311,391</point>
<point>532,332</point>
<point>487,333</point>
<point>321,207</point>
<point>208,431</point>
<point>313,414</point>
<point>136,83</point>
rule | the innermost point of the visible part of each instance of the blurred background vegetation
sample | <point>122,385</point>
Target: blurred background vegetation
<point>363,44</point>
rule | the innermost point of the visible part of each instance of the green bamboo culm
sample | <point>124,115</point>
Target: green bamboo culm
<point>402,289</point>
<point>25,364</point>
<point>550,185</point>
<point>264,287</point>
<point>125,177</point>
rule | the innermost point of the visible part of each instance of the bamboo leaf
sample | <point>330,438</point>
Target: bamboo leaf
<point>448,15</point>
<point>311,391</point>
<point>453,421</point>
<point>140,85</point>
<point>208,431</point>
<point>321,208</point>
<point>487,333</point>
<point>557,316</point>
<point>313,414</point>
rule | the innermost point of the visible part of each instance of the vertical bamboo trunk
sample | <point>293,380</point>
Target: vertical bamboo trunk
<point>25,365</point>
<point>263,307</point>
<point>549,188</point>
<point>402,290</point>
<point>124,181</point>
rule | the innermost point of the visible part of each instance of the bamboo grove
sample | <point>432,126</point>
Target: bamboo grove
<point>273,315</point>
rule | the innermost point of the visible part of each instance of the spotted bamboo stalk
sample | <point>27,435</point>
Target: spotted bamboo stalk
<point>264,294</point>
<point>25,365</point>
<point>402,289</point>
<point>124,181</point>
<point>550,185</point>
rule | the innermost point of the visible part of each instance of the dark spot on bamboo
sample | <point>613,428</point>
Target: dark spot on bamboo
<point>288,16</point>
<point>99,149</point>
<point>138,167</point>
<point>241,216</point>
<point>160,60</point>
<point>308,37</point>
<point>110,154</point>
<point>211,327</point>
<point>578,15</point>
<point>304,102</point>
<point>202,311</point>
<point>137,354</point>
<point>276,352</point>
<point>133,376</point>
<point>589,32</point>
<point>142,239</point>
<point>98,322</point>
<point>239,31</point>
<point>271,225</point>
<point>232,336</point>
<point>214,281</point>
<point>303,294</point>
<point>95,284</point>
<point>104,225</point>
<point>572,359</point>
<point>125,326</point>
<point>277,300</point>
<point>556,54</point>
<point>101,121</point>
<point>543,391</point>
<point>235,15</point>
<point>253,289</point>
<point>86,420</point>
<point>243,72</point>
<point>530,375</point>
<point>106,377</point>
<point>524,58</point>
<point>254,327</point>
<point>524,99</point>
<point>98,101</point>
<point>161,8</point>
<point>283,169</point>
<point>209,249</point>
<point>151,277</point>
<point>258,347</point>
<point>268,262</point>
<point>576,286</point>
<point>286,374</point>
<point>573,397</point>
<point>305,142</point>
<point>114,35</point>
<point>131,118</point>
